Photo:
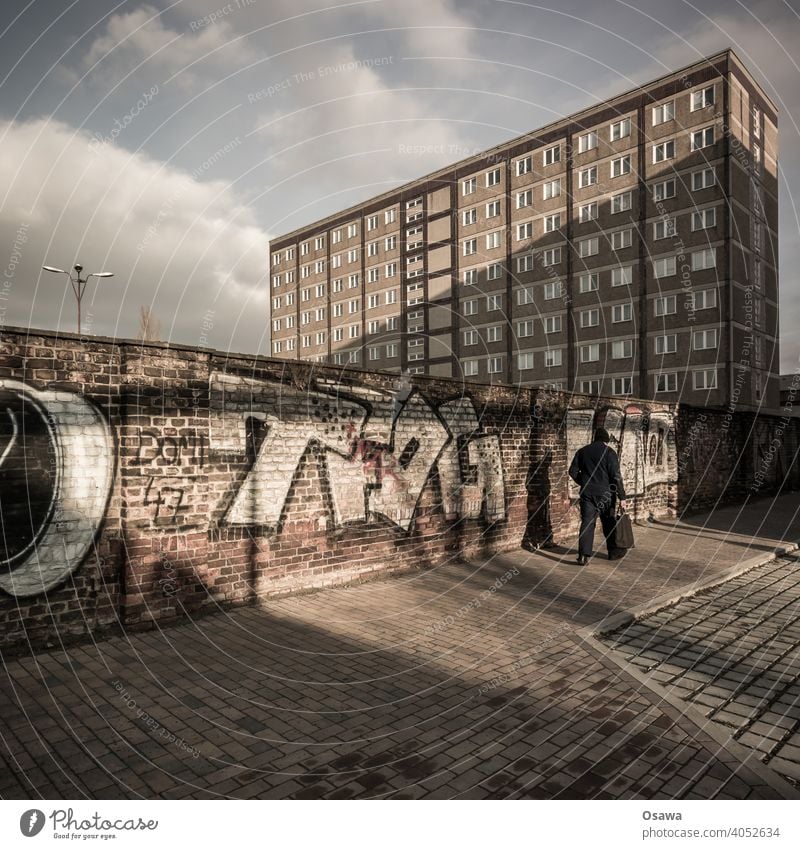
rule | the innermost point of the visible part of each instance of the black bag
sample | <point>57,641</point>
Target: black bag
<point>623,533</point>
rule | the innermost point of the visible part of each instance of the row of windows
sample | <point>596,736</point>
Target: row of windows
<point>618,167</point>
<point>702,219</point>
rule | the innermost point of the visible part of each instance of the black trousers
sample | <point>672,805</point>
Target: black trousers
<point>592,506</point>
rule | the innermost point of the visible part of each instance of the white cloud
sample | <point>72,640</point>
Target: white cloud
<point>186,247</point>
<point>141,38</point>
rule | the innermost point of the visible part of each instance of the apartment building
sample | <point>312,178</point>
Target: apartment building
<point>629,249</point>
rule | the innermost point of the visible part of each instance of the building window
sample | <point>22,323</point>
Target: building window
<point>492,240</point>
<point>306,341</point>
<point>337,310</point>
<point>621,312</point>
<point>587,212</point>
<point>494,365</point>
<point>622,275</point>
<point>552,222</point>
<point>471,307</point>
<point>588,282</point>
<point>493,209</point>
<point>702,138</point>
<point>663,113</point>
<point>336,261</point>
<point>352,281</point>
<point>352,231</point>
<point>621,239</point>
<point>667,344</point>
<point>373,301</point>
<point>524,166</point>
<point>590,387</point>
<point>494,333</point>
<point>620,166</point>
<point>470,247</point>
<point>319,243</point>
<point>391,269</point>
<point>337,334</point>
<point>354,331</point>
<point>705,379</point>
<point>667,382</point>
<point>620,129</point>
<point>524,198</point>
<point>664,267</point>
<point>290,344</point>
<point>588,141</point>
<point>525,329</point>
<point>702,98</point>
<point>552,324</point>
<point>373,327</point>
<point>664,190</point>
<point>524,263</point>
<point>469,216</point>
<point>374,353</point>
<point>553,290</point>
<point>703,179</point>
<point>588,247</point>
<point>289,321</point>
<point>372,249</point>
<point>552,359</point>
<point>469,186</point>
<point>470,338</point>
<point>703,340</point>
<point>524,231</point>
<point>665,305</point>
<point>704,259</point>
<point>470,368</point>
<point>664,228</point>
<point>494,303</point>
<point>471,277</point>
<point>391,296</point>
<point>705,299</point>
<point>664,151</point>
<point>525,361</point>
<point>352,255</point>
<point>621,202</point>
<point>590,353</point>
<point>587,177</point>
<point>392,321</point>
<point>353,306</point>
<point>305,248</point>
<point>372,222</point>
<point>355,356</point>
<point>590,318</point>
<point>389,216</point>
<point>494,271</point>
<point>551,256</point>
<point>525,296</point>
<point>705,219</point>
<point>551,155</point>
<point>338,285</point>
<point>277,347</point>
<point>493,178</point>
<point>622,386</point>
<point>622,349</point>
<point>551,189</point>
<point>372,275</point>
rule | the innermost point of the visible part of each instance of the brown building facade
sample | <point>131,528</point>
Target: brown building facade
<point>629,249</point>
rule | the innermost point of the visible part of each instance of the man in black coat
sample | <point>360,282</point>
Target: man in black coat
<point>595,468</point>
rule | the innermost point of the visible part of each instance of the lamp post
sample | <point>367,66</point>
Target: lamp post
<point>78,283</point>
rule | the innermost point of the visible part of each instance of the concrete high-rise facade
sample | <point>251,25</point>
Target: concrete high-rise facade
<point>629,249</point>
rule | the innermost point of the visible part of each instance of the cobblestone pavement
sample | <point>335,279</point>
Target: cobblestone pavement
<point>462,681</point>
<point>732,651</point>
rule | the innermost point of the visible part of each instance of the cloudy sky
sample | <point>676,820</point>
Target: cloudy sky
<point>166,141</point>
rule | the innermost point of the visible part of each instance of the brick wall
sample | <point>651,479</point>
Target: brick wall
<point>141,483</point>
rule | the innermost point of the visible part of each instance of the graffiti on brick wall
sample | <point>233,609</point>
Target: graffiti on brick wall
<point>56,462</point>
<point>378,450</point>
<point>644,441</point>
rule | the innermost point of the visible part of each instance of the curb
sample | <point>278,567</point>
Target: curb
<point>673,706</point>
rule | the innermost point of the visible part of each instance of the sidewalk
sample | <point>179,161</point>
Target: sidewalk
<point>467,680</point>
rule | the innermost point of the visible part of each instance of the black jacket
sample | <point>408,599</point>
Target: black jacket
<point>595,468</point>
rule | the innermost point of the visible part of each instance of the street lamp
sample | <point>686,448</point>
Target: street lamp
<point>78,283</point>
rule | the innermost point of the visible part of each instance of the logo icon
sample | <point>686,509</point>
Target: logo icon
<point>31,822</point>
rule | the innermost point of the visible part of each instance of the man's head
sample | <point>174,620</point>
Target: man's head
<point>601,435</point>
